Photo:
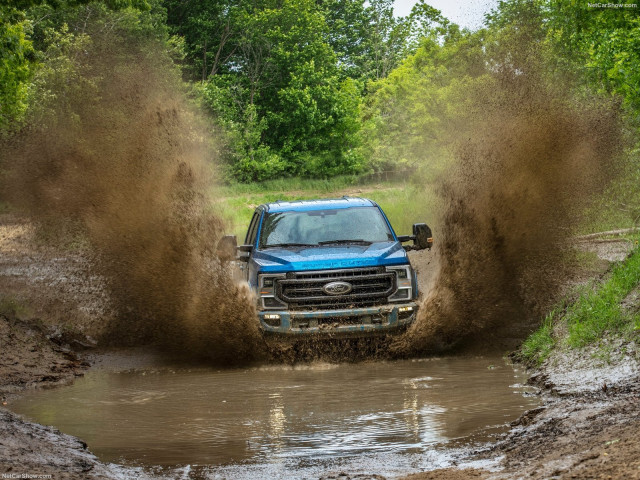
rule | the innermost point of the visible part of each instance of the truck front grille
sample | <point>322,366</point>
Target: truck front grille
<point>304,290</point>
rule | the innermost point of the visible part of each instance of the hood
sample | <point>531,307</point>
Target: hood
<point>280,260</point>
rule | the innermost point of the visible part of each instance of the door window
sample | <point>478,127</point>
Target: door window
<point>253,229</point>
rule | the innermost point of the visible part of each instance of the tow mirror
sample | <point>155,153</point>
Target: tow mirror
<point>422,236</point>
<point>226,249</point>
<point>246,250</point>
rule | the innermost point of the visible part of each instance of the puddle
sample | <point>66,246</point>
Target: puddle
<point>243,423</point>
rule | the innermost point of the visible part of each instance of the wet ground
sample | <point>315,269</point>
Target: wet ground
<point>304,421</point>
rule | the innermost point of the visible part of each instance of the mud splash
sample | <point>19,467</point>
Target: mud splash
<point>529,158</point>
<point>123,159</point>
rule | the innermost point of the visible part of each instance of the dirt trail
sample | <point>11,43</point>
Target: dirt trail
<point>51,283</point>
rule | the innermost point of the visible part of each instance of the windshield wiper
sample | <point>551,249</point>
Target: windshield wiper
<point>345,242</point>
<point>291,245</point>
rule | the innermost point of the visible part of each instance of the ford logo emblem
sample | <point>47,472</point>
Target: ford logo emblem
<point>337,288</point>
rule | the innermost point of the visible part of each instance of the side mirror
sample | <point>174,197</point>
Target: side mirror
<point>422,236</point>
<point>226,249</point>
<point>247,249</point>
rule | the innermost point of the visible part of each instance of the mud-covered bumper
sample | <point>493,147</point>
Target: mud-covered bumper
<point>371,320</point>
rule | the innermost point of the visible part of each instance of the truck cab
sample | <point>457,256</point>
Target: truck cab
<point>331,267</point>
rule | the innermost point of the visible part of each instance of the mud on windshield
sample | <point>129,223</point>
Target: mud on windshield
<point>358,225</point>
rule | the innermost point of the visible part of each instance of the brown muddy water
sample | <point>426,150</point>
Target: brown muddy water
<point>287,421</point>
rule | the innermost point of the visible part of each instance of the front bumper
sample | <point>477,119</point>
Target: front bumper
<point>371,320</point>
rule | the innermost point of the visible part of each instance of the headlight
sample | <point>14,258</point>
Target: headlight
<point>404,278</point>
<point>267,294</point>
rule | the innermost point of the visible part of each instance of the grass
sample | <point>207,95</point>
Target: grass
<point>605,219</point>
<point>541,342</point>
<point>600,311</point>
<point>404,203</point>
<point>293,184</point>
<point>597,312</point>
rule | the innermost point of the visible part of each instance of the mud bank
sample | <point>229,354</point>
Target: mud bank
<point>33,355</point>
<point>35,450</point>
<point>32,358</point>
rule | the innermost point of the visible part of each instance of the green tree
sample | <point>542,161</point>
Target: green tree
<point>285,102</point>
<point>599,45</point>
<point>37,39</point>
<point>16,66</point>
<point>210,30</point>
<point>370,41</point>
<point>286,77</point>
<point>407,114</point>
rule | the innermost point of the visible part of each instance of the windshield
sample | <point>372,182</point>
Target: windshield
<point>358,225</point>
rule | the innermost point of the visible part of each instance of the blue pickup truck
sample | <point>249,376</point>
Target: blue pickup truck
<point>329,267</point>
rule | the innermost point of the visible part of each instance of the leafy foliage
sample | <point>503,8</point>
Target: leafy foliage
<point>42,44</point>
<point>407,113</point>
<point>16,64</point>
<point>326,87</point>
<point>286,78</point>
<point>284,102</point>
<point>600,45</point>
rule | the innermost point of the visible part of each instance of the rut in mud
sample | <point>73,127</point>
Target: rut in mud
<point>131,171</point>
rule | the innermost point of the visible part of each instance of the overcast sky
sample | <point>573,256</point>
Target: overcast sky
<point>466,13</point>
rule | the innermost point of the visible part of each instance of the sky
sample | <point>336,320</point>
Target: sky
<point>466,13</point>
